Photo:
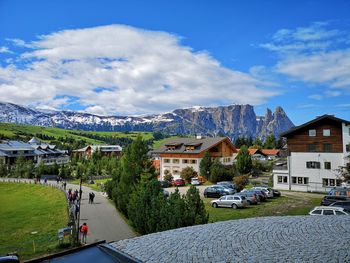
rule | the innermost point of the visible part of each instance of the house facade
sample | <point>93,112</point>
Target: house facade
<point>316,152</point>
<point>106,150</point>
<point>179,153</point>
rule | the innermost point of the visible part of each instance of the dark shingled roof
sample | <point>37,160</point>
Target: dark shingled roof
<point>200,145</point>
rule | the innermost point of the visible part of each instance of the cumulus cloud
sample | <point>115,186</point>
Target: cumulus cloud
<point>119,69</point>
<point>316,54</point>
<point>5,50</point>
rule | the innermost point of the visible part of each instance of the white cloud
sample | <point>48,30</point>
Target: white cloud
<point>315,97</point>
<point>317,54</point>
<point>119,69</point>
<point>5,50</point>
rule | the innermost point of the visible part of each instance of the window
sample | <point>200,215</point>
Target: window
<point>193,161</point>
<point>327,165</point>
<point>282,179</point>
<point>184,161</point>
<point>189,148</point>
<point>327,147</point>
<point>313,165</point>
<point>15,152</point>
<point>170,148</point>
<point>312,132</point>
<point>316,212</point>
<point>347,147</point>
<point>328,212</point>
<point>176,161</point>
<point>300,180</point>
<point>312,147</point>
<point>339,213</point>
<point>166,160</point>
<point>326,132</point>
<point>330,182</point>
<point>227,160</point>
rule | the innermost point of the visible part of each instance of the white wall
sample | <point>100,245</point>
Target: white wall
<point>298,168</point>
<point>346,137</point>
<point>177,166</point>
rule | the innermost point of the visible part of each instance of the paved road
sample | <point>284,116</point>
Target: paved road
<point>104,222</point>
<point>269,239</point>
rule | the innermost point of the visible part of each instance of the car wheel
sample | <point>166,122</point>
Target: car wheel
<point>234,206</point>
<point>215,205</point>
<point>249,202</point>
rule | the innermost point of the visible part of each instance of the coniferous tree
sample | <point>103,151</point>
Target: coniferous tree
<point>204,166</point>
<point>244,161</point>
<point>270,142</point>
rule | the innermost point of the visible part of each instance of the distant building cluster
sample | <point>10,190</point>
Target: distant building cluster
<point>106,150</point>
<point>33,150</point>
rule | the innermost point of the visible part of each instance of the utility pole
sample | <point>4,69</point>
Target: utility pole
<point>78,222</point>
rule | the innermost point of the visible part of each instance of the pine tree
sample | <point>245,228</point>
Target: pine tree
<point>270,142</point>
<point>244,161</point>
<point>204,166</point>
<point>196,213</point>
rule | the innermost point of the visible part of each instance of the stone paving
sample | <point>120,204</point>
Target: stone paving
<point>265,239</point>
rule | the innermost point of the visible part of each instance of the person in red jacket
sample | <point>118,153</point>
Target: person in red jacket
<point>84,230</point>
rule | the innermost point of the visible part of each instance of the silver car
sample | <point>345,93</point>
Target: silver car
<point>267,190</point>
<point>227,189</point>
<point>232,201</point>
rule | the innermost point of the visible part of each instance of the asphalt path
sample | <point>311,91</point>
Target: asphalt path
<point>104,221</point>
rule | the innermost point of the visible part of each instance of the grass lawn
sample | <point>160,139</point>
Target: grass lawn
<point>290,203</point>
<point>27,208</point>
<point>96,186</point>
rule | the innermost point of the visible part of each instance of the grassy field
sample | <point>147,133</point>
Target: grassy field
<point>96,186</point>
<point>291,203</point>
<point>26,209</point>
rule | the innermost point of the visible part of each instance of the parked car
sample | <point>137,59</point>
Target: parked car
<point>233,201</point>
<point>165,193</point>
<point>227,183</point>
<point>343,204</point>
<point>328,210</point>
<point>228,190</point>
<point>346,184</point>
<point>179,182</point>
<point>276,193</point>
<point>164,184</point>
<point>330,199</point>
<point>215,191</point>
<point>340,191</point>
<point>262,196</point>
<point>267,190</point>
<point>195,181</point>
<point>251,197</point>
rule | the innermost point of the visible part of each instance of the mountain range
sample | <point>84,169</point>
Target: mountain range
<point>232,121</point>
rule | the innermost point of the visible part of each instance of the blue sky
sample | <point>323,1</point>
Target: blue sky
<point>139,57</point>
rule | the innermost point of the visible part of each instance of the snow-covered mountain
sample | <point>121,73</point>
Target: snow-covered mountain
<point>232,121</point>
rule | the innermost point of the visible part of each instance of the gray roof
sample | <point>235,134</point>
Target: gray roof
<point>34,140</point>
<point>181,143</point>
<point>15,146</point>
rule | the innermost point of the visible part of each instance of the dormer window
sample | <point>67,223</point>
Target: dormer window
<point>189,148</point>
<point>170,148</point>
<point>312,133</point>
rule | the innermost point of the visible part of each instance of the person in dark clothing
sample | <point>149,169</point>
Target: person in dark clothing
<point>92,197</point>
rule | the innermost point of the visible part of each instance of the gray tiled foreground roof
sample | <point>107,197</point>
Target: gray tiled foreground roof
<point>265,239</point>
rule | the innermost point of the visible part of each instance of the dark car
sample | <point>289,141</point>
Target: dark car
<point>343,204</point>
<point>330,199</point>
<point>250,196</point>
<point>179,182</point>
<point>340,191</point>
<point>276,193</point>
<point>164,184</point>
<point>228,184</point>
<point>214,191</point>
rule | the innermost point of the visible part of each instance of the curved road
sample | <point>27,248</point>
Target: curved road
<point>104,221</point>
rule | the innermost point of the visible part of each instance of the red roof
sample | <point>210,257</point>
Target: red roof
<point>252,151</point>
<point>270,151</point>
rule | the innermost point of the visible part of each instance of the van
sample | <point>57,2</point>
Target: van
<point>340,191</point>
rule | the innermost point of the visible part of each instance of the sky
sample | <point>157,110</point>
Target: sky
<point>144,57</point>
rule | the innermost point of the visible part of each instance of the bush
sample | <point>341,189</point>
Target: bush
<point>241,182</point>
<point>188,173</point>
<point>168,176</point>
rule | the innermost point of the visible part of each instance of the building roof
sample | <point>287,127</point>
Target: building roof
<point>320,118</point>
<point>270,151</point>
<point>199,145</point>
<point>15,146</point>
<point>255,151</point>
<point>34,140</point>
<point>102,148</point>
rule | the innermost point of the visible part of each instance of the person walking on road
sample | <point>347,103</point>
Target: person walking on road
<point>84,230</point>
<point>92,197</point>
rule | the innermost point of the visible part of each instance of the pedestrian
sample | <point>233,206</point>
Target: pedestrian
<point>77,210</point>
<point>84,230</point>
<point>92,197</point>
<point>64,186</point>
<point>45,180</point>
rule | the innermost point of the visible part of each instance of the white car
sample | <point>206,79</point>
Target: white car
<point>233,201</point>
<point>328,210</point>
<point>195,181</point>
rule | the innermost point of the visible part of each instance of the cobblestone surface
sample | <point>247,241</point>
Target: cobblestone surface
<point>267,239</point>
